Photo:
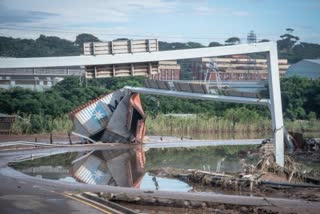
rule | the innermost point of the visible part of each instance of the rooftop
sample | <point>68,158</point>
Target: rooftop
<point>317,61</point>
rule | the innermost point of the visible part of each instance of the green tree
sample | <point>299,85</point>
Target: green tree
<point>264,40</point>
<point>85,37</point>
<point>287,41</point>
<point>214,44</point>
<point>232,41</point>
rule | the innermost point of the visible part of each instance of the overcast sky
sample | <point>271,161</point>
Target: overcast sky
<point>168,20</point>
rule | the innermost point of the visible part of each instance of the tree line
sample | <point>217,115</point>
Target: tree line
<point>300,97</point>
<point>289,46</point>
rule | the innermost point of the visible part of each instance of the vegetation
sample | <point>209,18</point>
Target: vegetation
<point>47,111</point>
<point>41,47</point>
<point>232,41</point>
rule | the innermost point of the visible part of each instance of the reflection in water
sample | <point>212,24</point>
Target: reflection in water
<point>216,135</point>
<point>123,168</point>
<point>129,168</point>
<point>152,182</point>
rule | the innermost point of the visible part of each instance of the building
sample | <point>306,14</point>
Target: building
<point>36,78</point>
<point>309,68</point>
<point>237,67</point>
<point>168,70</point>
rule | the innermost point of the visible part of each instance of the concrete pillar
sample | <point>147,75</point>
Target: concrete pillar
<point>12,83</point>
<point>49,82</point>
<point>275,104</point>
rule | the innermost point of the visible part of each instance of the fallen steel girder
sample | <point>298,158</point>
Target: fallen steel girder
<point>188,95</point>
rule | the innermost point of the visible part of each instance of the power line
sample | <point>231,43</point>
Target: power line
<point>53,30</point>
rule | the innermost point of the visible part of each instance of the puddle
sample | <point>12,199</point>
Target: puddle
<point>215,158</point>
<point>129,167</point>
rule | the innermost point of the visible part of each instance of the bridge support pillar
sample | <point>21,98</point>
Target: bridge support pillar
<point>276,105</point>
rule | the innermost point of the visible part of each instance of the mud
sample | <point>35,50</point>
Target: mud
<point>266,179</point>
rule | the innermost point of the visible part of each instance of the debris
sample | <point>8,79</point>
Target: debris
<point>117,117</point>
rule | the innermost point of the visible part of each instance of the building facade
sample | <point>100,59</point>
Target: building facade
<point>239,67</point>
<point>36,78</point>
<point>168,70</point>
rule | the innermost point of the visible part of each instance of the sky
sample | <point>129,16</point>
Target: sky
<point>201,21</point>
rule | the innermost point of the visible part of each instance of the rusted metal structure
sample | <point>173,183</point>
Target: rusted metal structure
<point>117,117</point>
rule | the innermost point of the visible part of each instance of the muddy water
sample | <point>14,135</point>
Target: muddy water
<point>218,135</point>
<point>130,167</point>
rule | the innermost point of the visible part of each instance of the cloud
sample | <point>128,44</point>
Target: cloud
<point>206,10</point>
<point>19,16</point>
<point>81,11</point>
<point>67,18</point>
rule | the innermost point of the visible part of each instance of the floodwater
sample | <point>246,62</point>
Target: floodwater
<point>131,167</point>
<point>217,135</point>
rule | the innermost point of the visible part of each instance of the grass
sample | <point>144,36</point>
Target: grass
<point>205,124</point>
<point>39,124</point>
<point>182,126</point>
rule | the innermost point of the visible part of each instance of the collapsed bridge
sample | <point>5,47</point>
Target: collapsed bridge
<point>149,57</point>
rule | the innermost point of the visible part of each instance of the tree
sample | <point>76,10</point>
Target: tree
<point>232,41</point>
<point>289,30</point>
<point>214,44</point>
<point>264,40</point>
<point>85,37</point>
<point>287,41</point>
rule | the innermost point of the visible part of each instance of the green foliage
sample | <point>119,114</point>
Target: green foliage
<point>287,41</point>
<point>47,110</point>
<point>289,48</point>
<point>214,44</point>
<point>41,47</point>
<point>163,46</point>
<point>300,97</point>
<point>232,41</point>
<point>85,37</point>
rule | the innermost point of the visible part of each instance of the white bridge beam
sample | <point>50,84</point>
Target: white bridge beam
<point>41,62</point>
<point>198,96</point>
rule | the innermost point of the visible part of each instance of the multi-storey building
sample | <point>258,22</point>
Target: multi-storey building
<point>237,67</point>
<point>168,70</point>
